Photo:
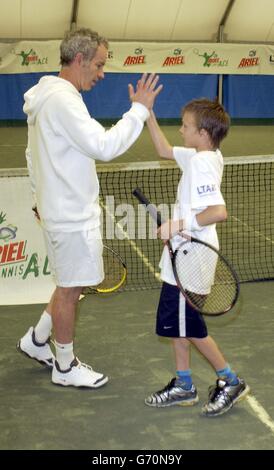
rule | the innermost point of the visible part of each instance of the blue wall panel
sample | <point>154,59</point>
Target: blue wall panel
<point>249,96</point>
<point>244,96</point>
<point>12,89</point>
<point>109,99</point>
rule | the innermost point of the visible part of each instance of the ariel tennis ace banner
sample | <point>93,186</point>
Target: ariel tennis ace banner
<point>24,272</point>
<point>137,57</point>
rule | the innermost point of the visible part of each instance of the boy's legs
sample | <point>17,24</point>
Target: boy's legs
<point>181,347</point>
<point>180,390</point>
<point>172,323</point>
<point>209,349</point>
<point>229,387</point>
<point>187,326</point>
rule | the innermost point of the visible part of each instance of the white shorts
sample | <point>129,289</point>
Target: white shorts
<point>75,258</point>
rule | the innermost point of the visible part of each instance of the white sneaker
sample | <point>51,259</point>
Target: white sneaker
<point>41,352</point>
<point>78,375</point>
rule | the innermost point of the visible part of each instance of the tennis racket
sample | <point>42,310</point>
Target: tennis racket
<point>204,276</point>
<point>115,274</point>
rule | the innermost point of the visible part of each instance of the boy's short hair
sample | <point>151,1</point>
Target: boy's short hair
<point>82,40</point>
<point>211,116</point>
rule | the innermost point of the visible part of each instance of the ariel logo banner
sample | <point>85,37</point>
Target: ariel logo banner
<point>24,271</point>
<point>137,57</point>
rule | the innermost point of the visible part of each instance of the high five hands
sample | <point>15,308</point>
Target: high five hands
<point>146,90</point>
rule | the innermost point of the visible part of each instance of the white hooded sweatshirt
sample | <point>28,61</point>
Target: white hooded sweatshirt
<point>63,143</point>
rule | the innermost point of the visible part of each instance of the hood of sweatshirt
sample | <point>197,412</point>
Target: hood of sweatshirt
<point>36,96</point>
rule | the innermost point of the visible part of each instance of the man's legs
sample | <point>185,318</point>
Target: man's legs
<point>62,308</point>
<point>59,314</point>
<point>67,369</point>
<point>35,343</point>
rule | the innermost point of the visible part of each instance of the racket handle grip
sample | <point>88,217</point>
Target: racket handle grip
<point>150,207</point>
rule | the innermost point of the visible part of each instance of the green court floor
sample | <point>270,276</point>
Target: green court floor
<point>115,334</point>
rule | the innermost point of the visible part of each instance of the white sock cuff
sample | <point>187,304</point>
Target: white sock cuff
<point>64,347</point>
<point>43,328</point>
<point>47,315</point>
<point>64,354</point>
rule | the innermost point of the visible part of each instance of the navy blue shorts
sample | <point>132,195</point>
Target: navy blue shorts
<point>175,318</point>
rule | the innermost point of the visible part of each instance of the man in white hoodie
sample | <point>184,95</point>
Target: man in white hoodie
<point>63,143</point>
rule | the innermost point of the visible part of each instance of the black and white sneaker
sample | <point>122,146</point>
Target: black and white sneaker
<point>41,352</point>
<point>223,396</point>
<point>77,375</point>
<point>173,394</point>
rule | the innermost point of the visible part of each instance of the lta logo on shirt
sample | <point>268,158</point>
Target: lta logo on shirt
<point>206,189</point>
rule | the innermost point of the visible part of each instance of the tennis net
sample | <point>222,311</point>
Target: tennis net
<point>246,238</point>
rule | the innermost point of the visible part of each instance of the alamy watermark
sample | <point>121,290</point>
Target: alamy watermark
<point>128,221</point>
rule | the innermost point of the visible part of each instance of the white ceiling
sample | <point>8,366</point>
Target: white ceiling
<point>151,20</point>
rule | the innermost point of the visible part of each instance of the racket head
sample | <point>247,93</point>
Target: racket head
<point>205,277</point>
<point>115,274</point>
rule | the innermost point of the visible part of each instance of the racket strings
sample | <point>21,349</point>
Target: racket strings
<point>115,273</point>
<point>206,278</point>
<point>114,270</point>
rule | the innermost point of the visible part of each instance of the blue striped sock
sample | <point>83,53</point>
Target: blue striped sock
<point>228,375</point>
<point>184,379</point>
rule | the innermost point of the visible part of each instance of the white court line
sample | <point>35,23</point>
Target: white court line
<point>260,412</point>
<point>13,145</point>
<point>254,404</point>
<point>257,233</point>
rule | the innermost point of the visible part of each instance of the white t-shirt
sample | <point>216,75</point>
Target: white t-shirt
<point>199,188</point>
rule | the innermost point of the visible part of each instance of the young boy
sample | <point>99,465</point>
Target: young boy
<point>198,207</point>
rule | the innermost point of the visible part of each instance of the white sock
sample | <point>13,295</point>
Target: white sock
<point>43,328</point>
<point>64,354</point>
